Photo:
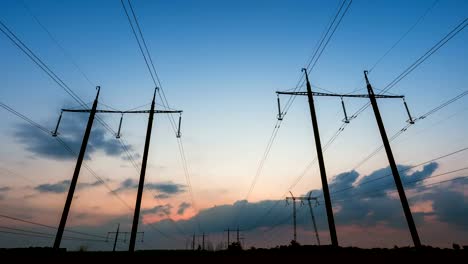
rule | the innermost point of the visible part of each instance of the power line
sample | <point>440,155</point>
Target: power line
<point>291,99</point>
<point>26,50</point>
<point>404,129</point>
<point>331,35</point>
<point>404,35</point>
<point>378,191</point>
<point>403,170</point>
<point>51,36</point>
<point>40,63</point>
<point>326,34</point>
<point>48,226</point>
<point>25,118</point>
<point>68,148</point>
<point>333,138</point>
<point>43,235</point>
<point>285,220</point>
<point>161,93</point>
<point>60,82</point>
<point>319,50</point>
<point>418,62</point>
<point>428,54</point>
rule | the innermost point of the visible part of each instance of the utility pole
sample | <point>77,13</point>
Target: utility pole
<point>118,232</point>
<point>203,241</point>
<point>193,242</point>
<point>116,236</point>
<point>302,199</point>
<point>326,192</point>
<point>238,240</point>
<point>76,173</point>
<point>228,237</point>
<point>141,183</point>
<point>294,214</point>
<point>309,198</point>
<point>318,146</point>
<point>391,160</point>
<point>323,174</point>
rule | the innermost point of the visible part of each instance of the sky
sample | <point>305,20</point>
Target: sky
<point>221,62</point>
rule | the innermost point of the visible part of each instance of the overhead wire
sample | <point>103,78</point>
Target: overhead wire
<point>64,86</point>
<point>333,138</point>
<point>157,82</point>
<point>405,128</point>
<point>57,43</point>
<point>285,220</point>
<point>404,35</point>
<point>318,50</point>
<point>401,170</point>
<point>48,226</point>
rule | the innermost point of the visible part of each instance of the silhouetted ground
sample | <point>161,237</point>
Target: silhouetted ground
<point>311,254</point>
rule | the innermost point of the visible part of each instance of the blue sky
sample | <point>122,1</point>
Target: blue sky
<point>221,62</point>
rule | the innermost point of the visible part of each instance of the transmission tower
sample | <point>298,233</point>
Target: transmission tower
<point>118,232</point>
<point>396,175</point>
<point>293,199</point>
<point>84,144</point>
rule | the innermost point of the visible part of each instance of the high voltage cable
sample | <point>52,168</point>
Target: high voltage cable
<point>432,111</point>
<point>418,62</point>
<point>26,50</point>
<point>46,131</point>
<point>404,129</point>
<point>412,188</point>
<point>298,85</point>
<point>378,191</point>
<point>35,234</point>
<point>403,170</point>
<point>51,36</point>
<point>291,98</point>
<point>47,226</point>
<point>326,34</point>
<point>396,43</point>
<point>431,51</point>
<point>266,153</point>
<point>13,111</point>
<point>404,35</point>
<point>64,86</point>
<point>51,74</point>
<point>40,63</point>
<point>315,58</point>
<point>331,35</point>
<point>458,28</point>
<point>161,93</point>
<point>428,54</point>
<point>138,41</point>
<point>328,144</point>
<point>69,149</point>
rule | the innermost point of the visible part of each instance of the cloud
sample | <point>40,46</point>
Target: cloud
<point>167,187</point>
<point>62,186</point>
<point>162,196</point>
<point>160,210</point>
<point>58,187</point>
<point>182,207</point>
<point>377,213</point>
<point>71,131</point>
<point>84,185</point>
<point>164,189</point>
<point>4,189</point>
<point>366,205</point>
<point>450,207</point>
